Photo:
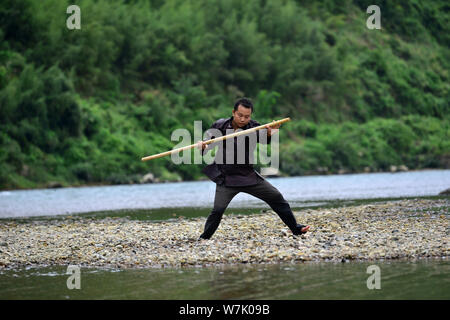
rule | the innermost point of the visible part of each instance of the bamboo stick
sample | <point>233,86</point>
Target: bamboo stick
<point>228,136</point>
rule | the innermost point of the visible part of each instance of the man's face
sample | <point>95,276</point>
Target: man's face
<point>242,115</point>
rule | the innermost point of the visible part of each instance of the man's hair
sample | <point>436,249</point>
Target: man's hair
<point>244,102</point>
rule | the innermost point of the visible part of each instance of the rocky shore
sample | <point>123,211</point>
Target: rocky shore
<point>406,229</point>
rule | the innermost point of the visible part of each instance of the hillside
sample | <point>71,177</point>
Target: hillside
<point>83,106</point>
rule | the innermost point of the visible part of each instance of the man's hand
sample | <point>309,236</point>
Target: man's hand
<point>272,130</point>
<point>201,145</point>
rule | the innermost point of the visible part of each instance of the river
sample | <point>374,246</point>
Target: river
<point>298,191</point>
<point>423,279</point>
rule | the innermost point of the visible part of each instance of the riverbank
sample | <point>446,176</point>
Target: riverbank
<point>138,179</point>
<point>403,229</point>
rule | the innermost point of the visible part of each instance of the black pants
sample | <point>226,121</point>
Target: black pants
<point>264,191</point>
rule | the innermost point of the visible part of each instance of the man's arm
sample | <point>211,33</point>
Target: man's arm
<point>211,133</point>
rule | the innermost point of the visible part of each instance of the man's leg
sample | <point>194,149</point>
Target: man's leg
<point>269,194</point>
<point>221,200</point>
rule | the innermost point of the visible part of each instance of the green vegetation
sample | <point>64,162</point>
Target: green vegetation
<point>83,106</point>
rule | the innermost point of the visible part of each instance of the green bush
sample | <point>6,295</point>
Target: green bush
<point>85,105</point>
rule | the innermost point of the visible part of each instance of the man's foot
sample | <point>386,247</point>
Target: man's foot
<point>302,229</point>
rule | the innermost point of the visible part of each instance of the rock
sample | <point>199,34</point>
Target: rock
<point>381,231</point>
<point>322,170</point>
<point>148,178</point>
<point>400,168</point>
<point>54,184</point>
<point>366,169</point>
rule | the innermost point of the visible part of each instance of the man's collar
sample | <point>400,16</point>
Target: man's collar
<point>230,123</point>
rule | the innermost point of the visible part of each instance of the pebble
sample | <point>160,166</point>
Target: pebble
<point>406,229</point>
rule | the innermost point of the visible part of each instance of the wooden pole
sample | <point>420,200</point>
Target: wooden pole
<point>228,136</point>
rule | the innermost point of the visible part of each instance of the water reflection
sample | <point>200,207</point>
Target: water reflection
<point>423,279</point>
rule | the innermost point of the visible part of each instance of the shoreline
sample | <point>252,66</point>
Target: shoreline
<point>174,213</point>
<point>186,267</point>
<point>61,185</point>
<point>405,229</point>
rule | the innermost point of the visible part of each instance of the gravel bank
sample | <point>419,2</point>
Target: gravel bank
<point>407,229</point>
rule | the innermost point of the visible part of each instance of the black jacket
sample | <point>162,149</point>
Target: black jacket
<point>225,170</point>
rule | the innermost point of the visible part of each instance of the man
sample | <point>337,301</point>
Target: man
<point>232,178</point>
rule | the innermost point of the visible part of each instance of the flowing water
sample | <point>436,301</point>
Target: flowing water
<point>423,279</point>
<point>298,191</point>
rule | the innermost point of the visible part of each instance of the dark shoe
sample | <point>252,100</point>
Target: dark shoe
<point>301,229</point>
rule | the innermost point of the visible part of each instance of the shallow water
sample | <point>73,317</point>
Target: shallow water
<point>423,279</point>
<point>298,191</point>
